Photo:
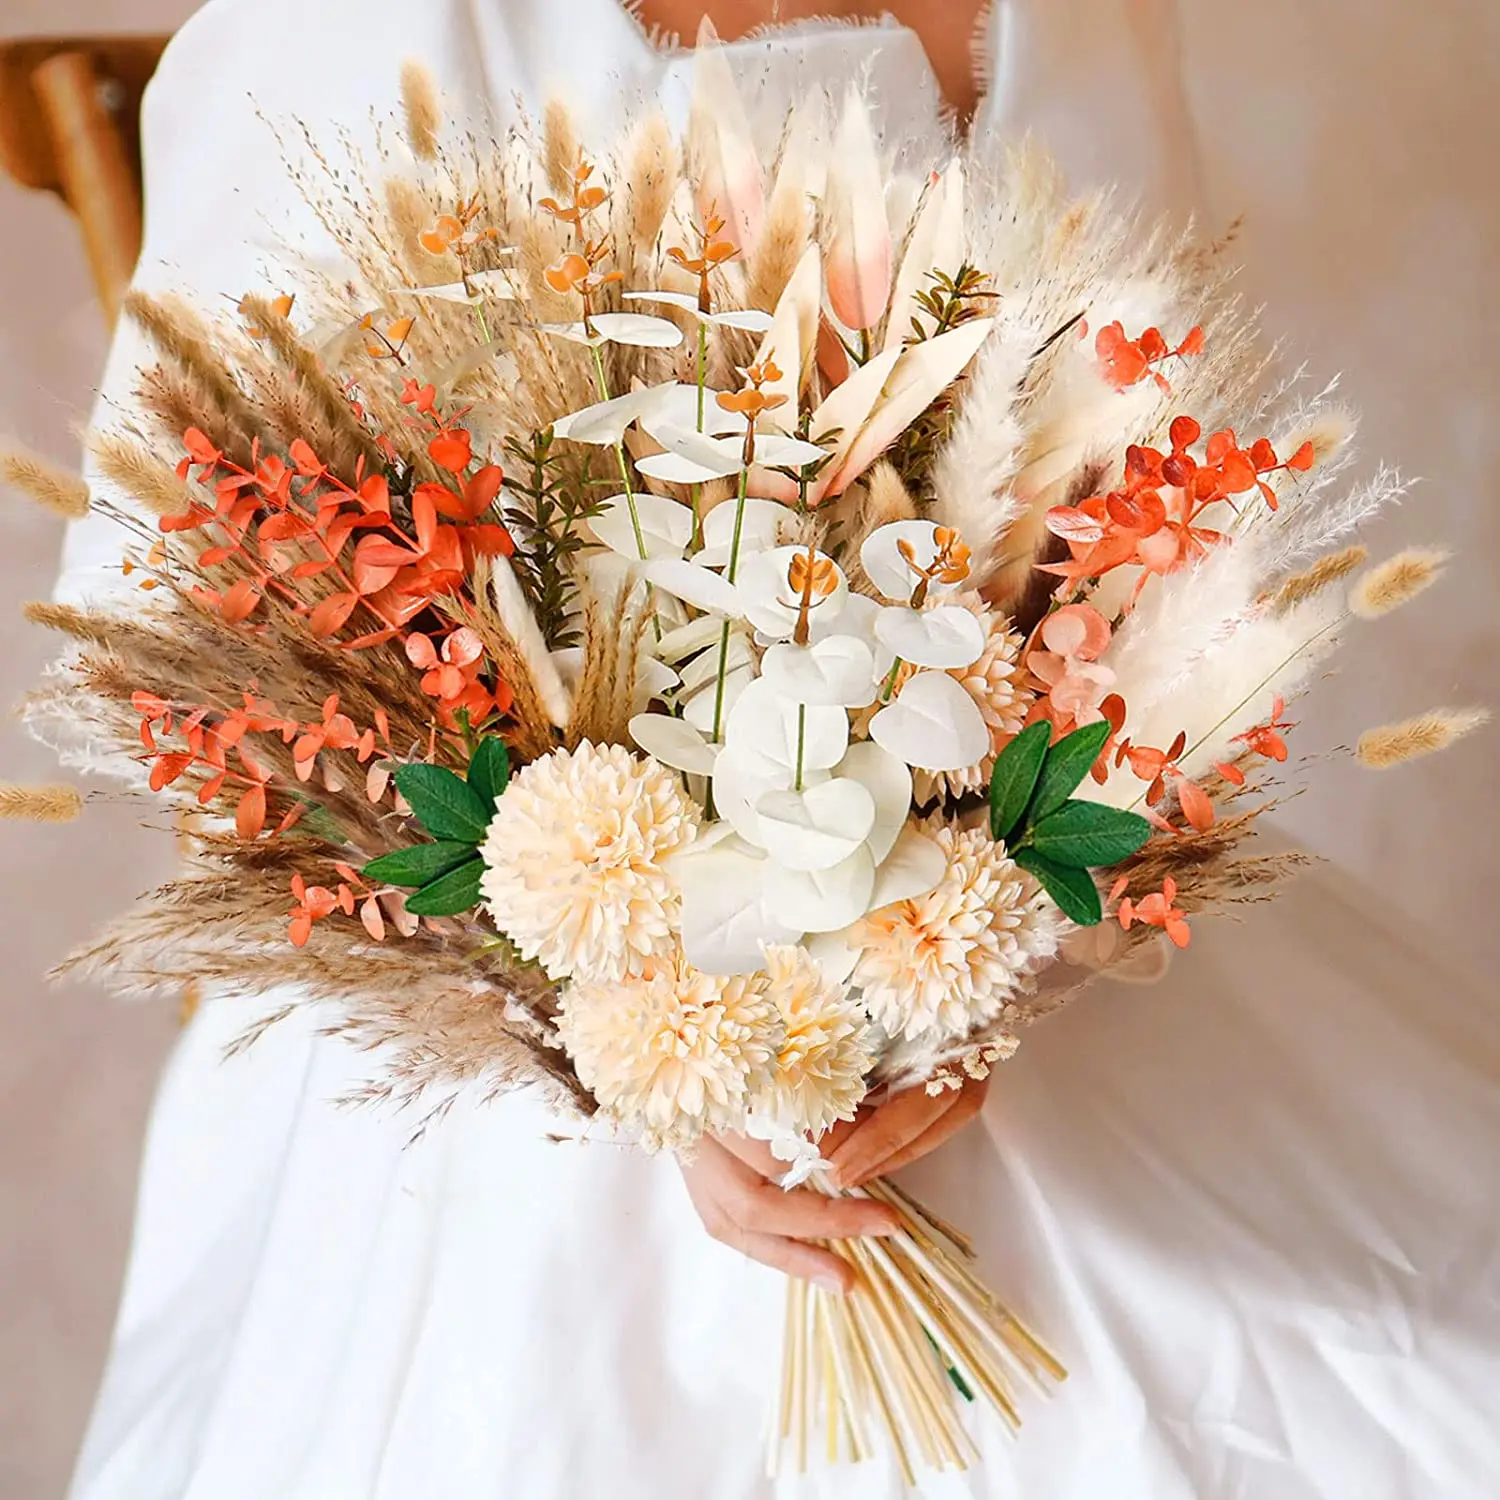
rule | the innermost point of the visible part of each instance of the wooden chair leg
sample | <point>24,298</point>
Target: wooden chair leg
<point>97,175</point>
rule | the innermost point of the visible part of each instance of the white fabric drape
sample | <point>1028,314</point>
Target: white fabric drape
<point>1245,1205</point>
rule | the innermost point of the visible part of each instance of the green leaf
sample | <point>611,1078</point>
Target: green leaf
<point>1016,770</point>
<point>418,864</point>
<point>450,894</point>
<point>1068,762</point>
<point>443,803</point>
<point>1085,835</point>
<point>489,770</point>
<point>1073,890</point>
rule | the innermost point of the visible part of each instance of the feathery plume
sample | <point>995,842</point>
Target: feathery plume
<point>1329,569</point>
<point>1437,729</point>
<point>560,148</point>
<point>1397,581</point>
<point>185,341</point>
<point>54,489</point>
<point>422,110</point>
<point>140,474</point>
<point>81,624</point>
<point>40,804</point>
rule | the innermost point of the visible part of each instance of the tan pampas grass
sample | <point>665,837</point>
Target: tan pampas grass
<point>411,216</point>
<point>1437,729</point>
<point>339,438</point>
<point>652,171</point>
<point>140,474</point>
<point>560,146</point>
<point>53,488</point>
<point>40,804</point>
<point>1397,581</point>
<point>80,624</point>
<point>188,344</point>
<point>422,110</point>
<point>1328,570</point>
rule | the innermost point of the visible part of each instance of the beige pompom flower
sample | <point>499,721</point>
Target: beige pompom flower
<point>991,683</point>
<point>941,964</point>
<point>672,1051</point>
<point>576,861</point>
<point>827,1046</point>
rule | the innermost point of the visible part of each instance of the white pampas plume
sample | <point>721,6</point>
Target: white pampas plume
<point>1437,729</point>
<point>515,614</point>
<point>1309,530</point>
<point>972,470</point>
<point>1397,581</point>
<point>1222,679</point>
<point>800,177</point>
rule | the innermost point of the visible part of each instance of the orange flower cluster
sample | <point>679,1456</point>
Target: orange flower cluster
<point>1126,362</point>
<point>751,402</point>
<point>713,252</point>
<point>1262,739</point>
<point>452,234</point>
<point>950,565</point>
<point>283,525</point>
<point>1151,519</point>
<point>211,736</point>
<point>317,902</point>
<point>1160,768</point>
<point>1156,910</point>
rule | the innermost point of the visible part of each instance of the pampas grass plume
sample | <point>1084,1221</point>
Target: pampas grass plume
<point>1396,581</point>
<point>52,488</point>
<point>40,804</point>
<point>1329,569</point>
<point>422,109</point>
<point>135,470</point>
<point>1437,729</point>
<point>561,151</point>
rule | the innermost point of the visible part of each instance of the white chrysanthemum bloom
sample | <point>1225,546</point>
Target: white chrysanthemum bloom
<point>827,1046</point>
<point>575,861</point>
<point>671,1051</point>
<point>1004,702</point>
<point>939,965</point>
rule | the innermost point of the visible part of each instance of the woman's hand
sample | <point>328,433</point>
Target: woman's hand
<point>900,1131</point>
<point>732,1183</point>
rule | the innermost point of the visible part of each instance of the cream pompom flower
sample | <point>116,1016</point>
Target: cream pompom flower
<point>827,1046</point>
<point>672,1051</point>
<point>991,682</point>
<point>938,965</point>
<point>575,861</point>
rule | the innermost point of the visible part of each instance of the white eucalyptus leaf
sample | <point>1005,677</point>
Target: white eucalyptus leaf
<point>823,900</point>
<point>946,637</point>
<point>913,868</point>
<point>694,585</point>
<point>837,671</point>
<point>933,724</point>
<point>888,782</point>
<point>674,743</point>
<point>818,827</point>
<point>653,524</point>
<point>726,922</point>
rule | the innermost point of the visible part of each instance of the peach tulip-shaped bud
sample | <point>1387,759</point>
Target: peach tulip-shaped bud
<point>859,249</point>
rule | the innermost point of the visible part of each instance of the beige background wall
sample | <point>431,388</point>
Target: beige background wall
<point>1365,145</point>
<point>76,1069</point>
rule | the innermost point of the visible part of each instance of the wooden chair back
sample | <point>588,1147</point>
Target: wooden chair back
<point>70,124</point>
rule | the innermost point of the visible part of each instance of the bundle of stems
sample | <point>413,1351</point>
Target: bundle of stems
<point>897,1359</point>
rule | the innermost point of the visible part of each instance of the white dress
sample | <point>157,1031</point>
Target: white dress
<point>1269,1281</point>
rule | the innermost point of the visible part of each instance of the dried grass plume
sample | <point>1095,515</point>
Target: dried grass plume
<point>53,488</point>
<point>422,109</point>
<point>1437,729</point>
<point>1397,581</point>
<point>1329,569</point>
<point>40,804</point>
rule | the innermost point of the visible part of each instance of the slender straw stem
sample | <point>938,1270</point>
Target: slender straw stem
<point>801,740</point>
<point>729,573</point>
